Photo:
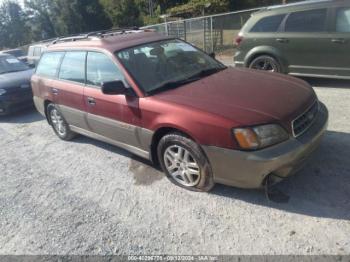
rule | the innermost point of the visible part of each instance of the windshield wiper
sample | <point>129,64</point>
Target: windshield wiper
<point>172,84</point>
<point>197,76</point>
<point>208,71</point>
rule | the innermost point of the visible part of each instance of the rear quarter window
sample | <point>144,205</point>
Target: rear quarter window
<point>37,51</point>
<point>307,21</point>
<point>49,63</point>
<point>31,51</point>
<point>268,24</point>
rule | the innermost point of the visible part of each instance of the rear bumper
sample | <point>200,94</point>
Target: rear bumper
<point>10,104</point>
<point>238,59</point>
<point>249,169</point>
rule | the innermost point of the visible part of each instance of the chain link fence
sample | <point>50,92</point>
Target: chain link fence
<point>214,33</point>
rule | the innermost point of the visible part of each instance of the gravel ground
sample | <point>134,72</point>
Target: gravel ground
<point>87,197</point>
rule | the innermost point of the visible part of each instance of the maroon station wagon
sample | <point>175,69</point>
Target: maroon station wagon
<point>165,100</point>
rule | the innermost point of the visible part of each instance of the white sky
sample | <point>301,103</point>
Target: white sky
<point>19,1</point>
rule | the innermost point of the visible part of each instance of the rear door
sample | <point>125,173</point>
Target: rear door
<point>115,117</point>
<point>68,88</point>
<point>305,41</point>
<point>340,42</point>
<point>42,81</point>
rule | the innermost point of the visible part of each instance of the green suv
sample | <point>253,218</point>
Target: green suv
<point>310,38</point>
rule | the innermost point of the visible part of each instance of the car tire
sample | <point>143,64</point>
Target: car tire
<point>266,63</point>
<point>184,163</point>
<point>58,123</point>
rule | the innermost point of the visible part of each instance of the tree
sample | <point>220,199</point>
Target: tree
<point>198,7</point>
<point>77,16</point>
<point>42,18</point>
<point>51,18</point>
<point>13,28</point>
<point>122,13</point>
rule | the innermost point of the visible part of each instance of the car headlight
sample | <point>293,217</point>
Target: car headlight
<point>259,137</point>
<point>2,91</point>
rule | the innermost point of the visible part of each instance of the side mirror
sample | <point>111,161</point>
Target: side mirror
<point>212,55</point>
<point>114,88</point>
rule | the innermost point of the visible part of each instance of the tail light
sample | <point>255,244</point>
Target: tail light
<point>238,40</point>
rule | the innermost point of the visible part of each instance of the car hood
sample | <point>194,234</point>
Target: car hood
<point>15,79</point>
<point>243,95</point>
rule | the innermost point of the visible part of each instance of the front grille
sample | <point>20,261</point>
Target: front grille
<point>304,121</point>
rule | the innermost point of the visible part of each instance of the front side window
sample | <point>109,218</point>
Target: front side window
<point>167,64</point>
<point>49,63</point>
<point>307,21</point>
<point>9,64</point>
<point>101,69</point>
<point>343,20</point>
<point>73,67</point>
<point>268,24</point>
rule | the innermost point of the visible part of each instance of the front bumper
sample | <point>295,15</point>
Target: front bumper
<point>249,169</point>
<point>14,103</point>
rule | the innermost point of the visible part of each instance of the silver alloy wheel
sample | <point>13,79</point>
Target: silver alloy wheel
<point>182,166</point>
<point>265,64</point>
<point>58,122</point>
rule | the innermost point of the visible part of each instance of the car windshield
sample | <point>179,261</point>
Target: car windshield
<point>159,66</point>
<point>9,64</point>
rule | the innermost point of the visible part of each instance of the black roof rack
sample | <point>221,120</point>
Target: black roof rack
<point>98,34</point>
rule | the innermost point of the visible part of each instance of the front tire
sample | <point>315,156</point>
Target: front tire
<point>266,63</point>
<point>59,124</point>
<point>184,163</point>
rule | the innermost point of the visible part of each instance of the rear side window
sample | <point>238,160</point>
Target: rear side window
<point>100,69</point>
<point>307,21</point>
<point>343,20</point>
<point>37,51</point>
<point>268,24</point>
<point>73,67</point>
<point>30,51</point>
<point>49,63</point>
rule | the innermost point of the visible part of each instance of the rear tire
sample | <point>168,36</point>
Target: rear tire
<point>58,123</point>
<point>184,163</point>
<point>266,63</point>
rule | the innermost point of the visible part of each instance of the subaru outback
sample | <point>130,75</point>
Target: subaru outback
<point>165,100</point>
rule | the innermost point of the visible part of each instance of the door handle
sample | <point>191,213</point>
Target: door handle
<point>91,101</point>
<point>282,40</point>
<point>55,91</point>
<point>339,41</point>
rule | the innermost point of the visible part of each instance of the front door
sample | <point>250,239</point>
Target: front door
<point>340,42</point>
<point>116,117</point>
<point>305,41</point>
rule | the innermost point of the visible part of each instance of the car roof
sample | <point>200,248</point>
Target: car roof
<point>112,43</point>
<point>298,6</point>
<point>11,50</point>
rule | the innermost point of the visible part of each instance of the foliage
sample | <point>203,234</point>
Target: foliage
<point>123,13</point>
<point>200,7</point>
<point>13,28</point>
<point>43,19</point>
